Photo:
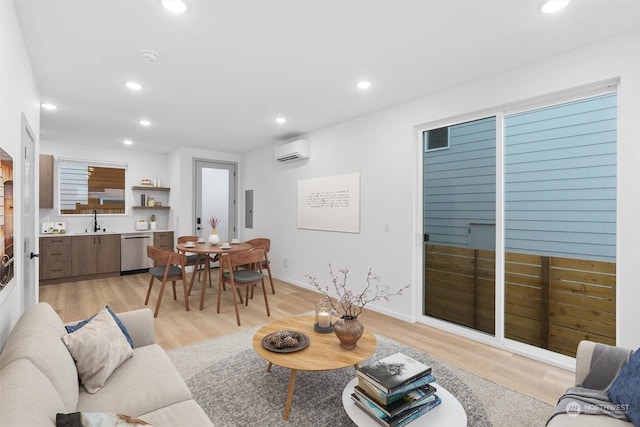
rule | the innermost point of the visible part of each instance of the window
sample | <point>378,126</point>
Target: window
<point>560,180</point>
<point>436,139</point>
<point>87,186</point>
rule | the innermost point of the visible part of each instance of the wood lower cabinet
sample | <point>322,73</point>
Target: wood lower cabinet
<point>69,258</point>
<point>55,257</point>
<point>163,239</point>
<point>109,254</point>
<point>95,254</point>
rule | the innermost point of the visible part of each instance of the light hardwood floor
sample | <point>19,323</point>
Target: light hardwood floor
<point>176,327</point>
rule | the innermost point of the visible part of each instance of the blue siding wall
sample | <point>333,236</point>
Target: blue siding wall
<point>460,183</point>
<point>560,180</point>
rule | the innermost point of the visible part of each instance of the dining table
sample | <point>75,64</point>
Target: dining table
<point>204,250</point>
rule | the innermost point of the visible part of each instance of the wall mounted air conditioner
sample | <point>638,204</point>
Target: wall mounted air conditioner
<point>296,150</point>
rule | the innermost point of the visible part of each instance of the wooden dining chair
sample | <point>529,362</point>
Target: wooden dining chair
<point>170,267</point>
<point>264,243</point>
<point>194,260</point>
<point>238,277</point>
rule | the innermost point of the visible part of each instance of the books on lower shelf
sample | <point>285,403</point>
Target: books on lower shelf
<point>401,419</point>
<point>413,398</point>
<point>386,398</point>
<point>395,390</point>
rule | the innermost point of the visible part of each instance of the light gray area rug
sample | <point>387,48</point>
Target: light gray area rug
<point>229,380</point>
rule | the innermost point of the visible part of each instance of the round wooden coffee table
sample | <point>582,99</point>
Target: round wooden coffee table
<point>449,413</point>
<point>322,354</point>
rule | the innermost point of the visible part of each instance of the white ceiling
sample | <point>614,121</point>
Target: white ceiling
<point>227,68</point>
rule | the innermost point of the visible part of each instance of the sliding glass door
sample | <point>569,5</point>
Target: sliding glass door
<point>558,222</point>
<point>459,223</point>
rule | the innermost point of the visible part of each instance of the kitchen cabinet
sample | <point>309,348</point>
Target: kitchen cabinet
<point>163,239</point>
<point>55,257</point>
<point>95,254</point>
<point>46,181</point>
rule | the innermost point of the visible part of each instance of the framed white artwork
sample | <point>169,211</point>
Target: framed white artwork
<point>330,203</point>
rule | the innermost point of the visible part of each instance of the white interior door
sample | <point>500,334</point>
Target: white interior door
<point>215,195</point>
<point>27,217</point>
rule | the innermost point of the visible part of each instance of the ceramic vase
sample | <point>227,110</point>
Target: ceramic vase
<point>348,330</point>
<point>214,239</point>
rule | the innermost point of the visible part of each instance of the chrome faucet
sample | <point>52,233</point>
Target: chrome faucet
<point>96,228</point>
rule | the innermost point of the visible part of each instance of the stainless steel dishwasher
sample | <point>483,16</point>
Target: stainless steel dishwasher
<point>133,251</point>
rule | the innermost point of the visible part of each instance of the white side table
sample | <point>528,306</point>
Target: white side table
<point>449,413</point>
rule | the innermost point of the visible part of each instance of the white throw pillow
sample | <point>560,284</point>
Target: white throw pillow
<point>98,349</point>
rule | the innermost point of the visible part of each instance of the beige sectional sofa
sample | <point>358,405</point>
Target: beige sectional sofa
<point>38,377</point>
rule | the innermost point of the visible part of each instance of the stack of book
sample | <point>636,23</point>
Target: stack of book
<point>395,390</point>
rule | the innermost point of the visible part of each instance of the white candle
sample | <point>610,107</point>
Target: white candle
<point>324,319</point>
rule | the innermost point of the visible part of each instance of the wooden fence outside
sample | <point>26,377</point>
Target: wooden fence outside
<point>550,302</point>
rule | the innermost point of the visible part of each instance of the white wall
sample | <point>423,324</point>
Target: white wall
<point>18,94</point>
<point>139,165</point>
<point>374,146</point>
<point>174,170</point>
<point>384,148</point>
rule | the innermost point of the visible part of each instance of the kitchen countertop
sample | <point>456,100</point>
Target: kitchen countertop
<point>98,233</point>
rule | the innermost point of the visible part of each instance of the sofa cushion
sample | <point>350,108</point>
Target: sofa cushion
<point>98,419</point>
<point>98,348</point>
<point>28,398</point>
<point>36,337</point>
<point>76,326</point>
<point>142,384</point>
<point>140,325</point>
<point>625,390</point>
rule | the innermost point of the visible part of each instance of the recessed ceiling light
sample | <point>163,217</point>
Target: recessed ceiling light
<point>363,85</point>
<point>49,106</point>
<point>174,6</point>
<point>133,85</point>
<point>281,120</point>
<point>553,6</point>
<point>127,142</point>
<point>145,123</point>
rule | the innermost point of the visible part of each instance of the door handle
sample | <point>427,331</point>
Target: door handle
<point>32,256</point>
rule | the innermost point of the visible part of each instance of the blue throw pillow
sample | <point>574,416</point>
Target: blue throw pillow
<point>73,328</point>
<point>625,390</point>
